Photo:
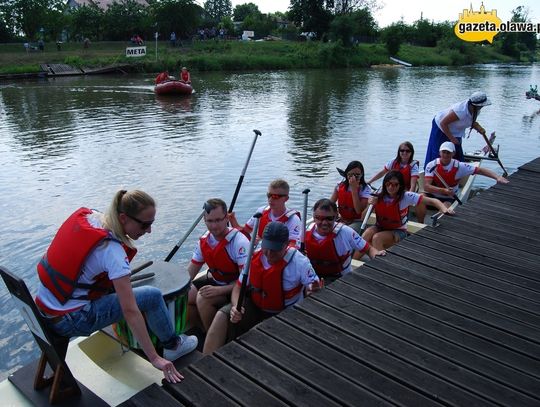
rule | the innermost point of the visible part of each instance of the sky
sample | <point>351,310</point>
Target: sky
<point>436,10</point>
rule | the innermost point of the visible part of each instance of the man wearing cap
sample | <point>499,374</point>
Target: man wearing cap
<point>450,125</point>
<point>451,171</point>
<point>279,276</point>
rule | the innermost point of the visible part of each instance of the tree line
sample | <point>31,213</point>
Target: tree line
<point>344,21</point>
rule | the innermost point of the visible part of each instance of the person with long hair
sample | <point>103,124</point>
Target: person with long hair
<point>391,207</point>
<point>404,163</point>
<point>450,125</point>
<point>351,195</point>
<point>89,257</point>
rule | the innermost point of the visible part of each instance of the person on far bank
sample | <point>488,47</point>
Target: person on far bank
<point>185,76</point>
<point>351,195</point>
<point>391,208</point>
<point>89,256</point>
<point>451,170</point>
<point>224,250</point>
<point>279,277</point>
<point>330,245</point>
<point>276,210</point>
<point>450,125</point>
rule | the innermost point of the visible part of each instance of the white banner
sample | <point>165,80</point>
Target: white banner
<point>135,51</point>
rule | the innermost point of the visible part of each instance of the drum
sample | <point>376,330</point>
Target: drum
<point>174,282</point>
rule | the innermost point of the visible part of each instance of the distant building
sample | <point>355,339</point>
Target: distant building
<point>103,4</point>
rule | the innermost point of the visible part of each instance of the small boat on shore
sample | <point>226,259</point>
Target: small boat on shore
<point>400,62</point>
<point>532,95</point>
<point>173,87</point>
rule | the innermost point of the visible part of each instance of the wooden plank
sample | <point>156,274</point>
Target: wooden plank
<point>376,271</point>
<point>343,366</point>
<point>306,369</point>
<point>533,166</point>
<point>511,350</point>
<point>360,342</point>
<point>509,200</point>
<point>233,384</point>
<point>194,391</point>
<point>273,379</point>
<point>516,221</point>
<point>503,210</point>
<point>153,395</point>
<point>509,381</point>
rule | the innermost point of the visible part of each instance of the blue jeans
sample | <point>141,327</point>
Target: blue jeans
<point>106,310</point>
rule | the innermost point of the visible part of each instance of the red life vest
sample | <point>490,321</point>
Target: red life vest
<point>267,284</point>
<point>448,176</point>
<point>185,76</point>
<point>60,268</point>
<point>405,171</point>
<point>217,259</point>
<point>323,253</point>
<point>162,77</point>
<point>389,216</point>
<point>346,205</point>
<point>265,219</point>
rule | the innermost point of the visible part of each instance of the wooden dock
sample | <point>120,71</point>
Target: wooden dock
<point>451,316</point>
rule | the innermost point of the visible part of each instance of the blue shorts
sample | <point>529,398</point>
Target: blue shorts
<point>436,138</point>
<point>400,234</point>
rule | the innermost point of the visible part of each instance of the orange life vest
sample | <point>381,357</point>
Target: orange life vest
<point>217,259</point>
<point>323,253</point>
<point>389,216</point>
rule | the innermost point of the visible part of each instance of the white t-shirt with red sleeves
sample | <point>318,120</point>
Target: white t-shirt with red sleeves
<point>408,199</point>
<point>464,169</point>
<point>294,224</point>
<point>414,167</point>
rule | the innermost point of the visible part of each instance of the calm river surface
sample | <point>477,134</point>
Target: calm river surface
<point>71,142</point>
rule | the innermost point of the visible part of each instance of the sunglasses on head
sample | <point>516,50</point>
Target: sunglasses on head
<point>323,218</point>
<point>142,224</point>
<point>275,196</point>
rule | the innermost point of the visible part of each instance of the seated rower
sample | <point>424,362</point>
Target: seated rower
<point>451,171</point>
<point>224,250</point>
<point>391,207</point>
<point>185,76</point>
<point>351,195</point>
<point>162,77</point>
<point>278,194</point>
<point>330,245</point>
<point>278,277</point>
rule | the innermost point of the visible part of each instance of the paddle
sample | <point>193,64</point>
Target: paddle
<point>494,153</point>
<point>141,267</point>
<point>207,210</point>
<point>304,220</point>
<point>245,272</point>
<point>446,186</point>
<point>241,179</point>
<point>142,276</point>
<point>368,211</point>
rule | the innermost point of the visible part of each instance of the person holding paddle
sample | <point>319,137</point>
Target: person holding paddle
<point>276,210</point>
<point>85,279</point>
<point>351,195</point>
<point>391,207</point>
<point>450,125</point>
<point>224,250</point>
<point>451,171</point>
<point>279,276</point>
<point>330,245</point>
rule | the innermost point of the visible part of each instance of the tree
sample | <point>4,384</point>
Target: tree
<point>181,16</point>
<point>126,18</point>
<point>350,6</point>
<point>357,25</point>
<point>87,22</point>
<point>513,43</point>
<point>393,37</point>
<point>312,15</point>
<point>241,11</point>
<point>29,16</point>
<point>217,9</point>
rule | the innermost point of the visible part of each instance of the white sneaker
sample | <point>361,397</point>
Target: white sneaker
<point>186,344</point>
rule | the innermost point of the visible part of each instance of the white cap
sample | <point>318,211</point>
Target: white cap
<point>479,99</point>
<point>448,146</point>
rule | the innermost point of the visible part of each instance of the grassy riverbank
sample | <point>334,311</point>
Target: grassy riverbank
<point>236,55</point>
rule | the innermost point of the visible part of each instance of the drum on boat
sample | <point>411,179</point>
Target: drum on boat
<point>174,282</point>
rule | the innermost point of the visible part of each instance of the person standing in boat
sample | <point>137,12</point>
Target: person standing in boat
<point>89,257</point>
<point>391,207</point>
<point>451,170</point>
<point>351,195</point>
<point>279,276</point>
<point>224,250</point>
<point>330,245</point>
<point>450,125</point>
<point>276,210</point>
<point>185,76</point>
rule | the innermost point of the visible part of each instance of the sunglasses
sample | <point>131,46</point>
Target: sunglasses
<point>357,176</point>
<point>215,221</point>
<point>404,151</point>
<point>275,196</point>
<point>323,218</point>
<point>142,224</point>
<point>392,184</point>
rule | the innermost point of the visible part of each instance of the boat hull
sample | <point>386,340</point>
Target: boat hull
<point>173,88</point>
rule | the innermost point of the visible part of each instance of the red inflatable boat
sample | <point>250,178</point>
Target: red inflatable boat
<point>173,87</point>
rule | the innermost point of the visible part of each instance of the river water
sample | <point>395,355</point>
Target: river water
<point>74,141</point>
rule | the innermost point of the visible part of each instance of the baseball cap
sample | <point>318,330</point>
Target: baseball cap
<point>448,146</point>
<point>275,236</point>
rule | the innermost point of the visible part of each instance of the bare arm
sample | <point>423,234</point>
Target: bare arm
<point>333,198</point>
<point>491,174</point>
<point>437,204</point>
<point>414,181</point>
<point>193,269</point>
<point>449,118</point>
<point>378,175</point>
<point>432,189</point>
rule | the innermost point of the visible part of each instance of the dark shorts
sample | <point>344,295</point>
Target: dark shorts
<point>207,279</point>
<point>252,316</point>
